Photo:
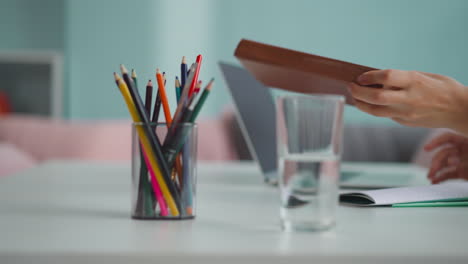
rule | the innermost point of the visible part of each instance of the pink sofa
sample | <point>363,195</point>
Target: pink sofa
<point>28,140</point>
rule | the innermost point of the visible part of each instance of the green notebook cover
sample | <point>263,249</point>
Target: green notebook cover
<point>441,203</point>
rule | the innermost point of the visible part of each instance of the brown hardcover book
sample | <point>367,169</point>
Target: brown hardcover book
<point>298,71</point>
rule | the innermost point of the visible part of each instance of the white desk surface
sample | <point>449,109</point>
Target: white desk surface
<point>73,212</point>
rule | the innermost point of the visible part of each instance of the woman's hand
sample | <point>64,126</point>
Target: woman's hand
<point>451,159</point>
<point>413,98</point>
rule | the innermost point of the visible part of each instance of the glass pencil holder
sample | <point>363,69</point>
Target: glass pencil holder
<point>164,171</point>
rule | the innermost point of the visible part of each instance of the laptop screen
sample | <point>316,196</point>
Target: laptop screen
<point>255,112</point>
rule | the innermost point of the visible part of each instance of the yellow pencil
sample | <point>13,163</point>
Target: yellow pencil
<point>146,144</point>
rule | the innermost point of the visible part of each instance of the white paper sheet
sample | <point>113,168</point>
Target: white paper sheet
<point>443,191</point>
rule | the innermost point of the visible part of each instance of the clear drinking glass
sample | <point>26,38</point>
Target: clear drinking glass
<point>309,132</point>
<point>178,149</point>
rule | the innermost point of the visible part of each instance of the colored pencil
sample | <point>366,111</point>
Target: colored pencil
<point>148,97</point>
<point>173,145</point>
<point>201,101</point>
<point>157,189</point>
<point>183,97</point>
<point>186,149</point>
<point>197,87</point>
<point>191,117</point>
<point>144,190</point>
<point>185,183</point>
<point>145,142</point>
<point>134,78</point>
<point>195,77</point>
<point>183,71</point>
<point>157,108</point>
<point>167,114</point>
<point>170,191</point>
<point>177,89</point>
<point>145,165</point>
<point>164,101</point>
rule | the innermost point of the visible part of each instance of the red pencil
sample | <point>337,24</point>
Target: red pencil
<point>195,76</point>
<point>198,87</point>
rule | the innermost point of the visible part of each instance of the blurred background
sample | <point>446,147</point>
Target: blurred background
<point>92,37</point>
<point>57,56</point>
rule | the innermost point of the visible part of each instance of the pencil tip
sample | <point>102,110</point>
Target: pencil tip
<point>149,83</point>
<point>210,85</point>
<point>134,74</point>
<point>177,78</point>
<point>116,76</point>
<point>183,60</point>
<point>158,71</point>
<point>123,69</point>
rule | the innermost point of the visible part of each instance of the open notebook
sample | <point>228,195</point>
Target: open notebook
<point>446,194</point>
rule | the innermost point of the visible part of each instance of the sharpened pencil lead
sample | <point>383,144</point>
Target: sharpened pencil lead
<point>123,69</point>
<point>209,85</point>
<point>116,76</point>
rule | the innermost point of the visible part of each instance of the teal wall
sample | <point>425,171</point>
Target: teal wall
<point>31,25</point>
<point>100,35</point>
<point>425,35</point>
<point>97,35</point>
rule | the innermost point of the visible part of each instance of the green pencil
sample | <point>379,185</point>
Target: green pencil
<point>201,101</point>
<point>177,89</point>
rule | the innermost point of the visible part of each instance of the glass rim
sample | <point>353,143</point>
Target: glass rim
<point>327,97</point>
<point>164,124</point>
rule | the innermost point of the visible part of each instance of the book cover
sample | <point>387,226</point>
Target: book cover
<point>298,71</point>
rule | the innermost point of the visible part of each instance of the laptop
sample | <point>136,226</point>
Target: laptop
<point>255,113</point>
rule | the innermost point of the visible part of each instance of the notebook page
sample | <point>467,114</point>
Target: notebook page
<point>443,191</point>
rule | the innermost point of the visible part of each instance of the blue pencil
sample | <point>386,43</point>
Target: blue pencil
<point>186,184</point>
<point>183,72</point>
